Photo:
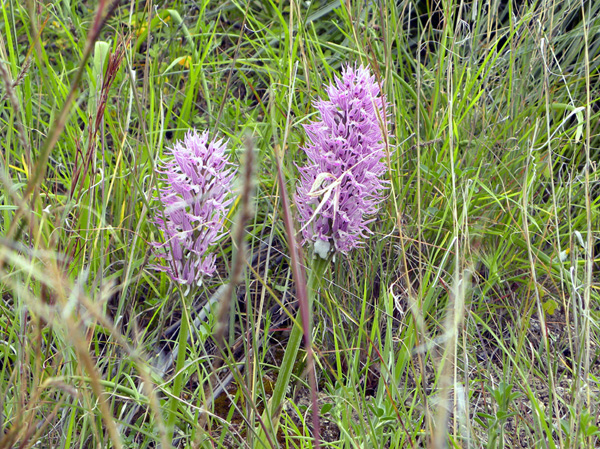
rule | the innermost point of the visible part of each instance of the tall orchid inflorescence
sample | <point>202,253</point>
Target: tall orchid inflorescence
<point>342,185</point>
<point>196,195</point>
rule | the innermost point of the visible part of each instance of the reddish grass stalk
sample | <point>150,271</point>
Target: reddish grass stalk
<point>114,62</point>
<point>39,173</point>
<point>303,300</point>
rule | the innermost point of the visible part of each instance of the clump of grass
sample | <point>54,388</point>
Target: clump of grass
<point>469,318</point>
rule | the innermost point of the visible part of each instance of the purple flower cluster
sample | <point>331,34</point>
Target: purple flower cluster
<point>196,193</point>
<point>341,186</point>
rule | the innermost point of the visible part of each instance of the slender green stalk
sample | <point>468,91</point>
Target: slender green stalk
<point>273,412</point>
<point>182,346</point>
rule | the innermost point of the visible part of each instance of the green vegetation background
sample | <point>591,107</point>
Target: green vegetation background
<point>470,319</point>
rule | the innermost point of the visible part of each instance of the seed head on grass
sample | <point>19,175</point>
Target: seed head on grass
<point>342,186</point>
<point>195,196</point>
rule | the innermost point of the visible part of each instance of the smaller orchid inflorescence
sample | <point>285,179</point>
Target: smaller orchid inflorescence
<point>342,185</point>
<point>196,195</point>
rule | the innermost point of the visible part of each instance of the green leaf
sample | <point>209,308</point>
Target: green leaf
<point>101,50</point>
<point>550,306</point>
<point>326,408</point>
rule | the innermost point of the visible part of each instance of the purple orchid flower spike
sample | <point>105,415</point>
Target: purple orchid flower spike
<point>342,186</point>
<point>196,195</point>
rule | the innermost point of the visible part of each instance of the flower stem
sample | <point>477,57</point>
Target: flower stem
<point>289,358</point>
<point>179,376</point>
